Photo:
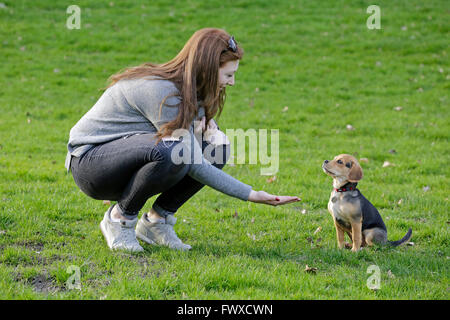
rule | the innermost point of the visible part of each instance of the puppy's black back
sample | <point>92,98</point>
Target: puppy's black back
<point>371,216</point>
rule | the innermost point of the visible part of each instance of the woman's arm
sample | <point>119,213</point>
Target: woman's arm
<point>148,99</point>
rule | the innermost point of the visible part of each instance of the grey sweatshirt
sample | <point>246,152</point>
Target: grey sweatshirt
<point>133,107</point>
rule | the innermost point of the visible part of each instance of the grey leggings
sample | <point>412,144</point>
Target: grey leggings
<point>133,169</point>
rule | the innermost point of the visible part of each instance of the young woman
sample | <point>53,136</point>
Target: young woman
<point>123,148</point>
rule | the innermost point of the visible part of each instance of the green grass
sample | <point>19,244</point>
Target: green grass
<point>317,58</point>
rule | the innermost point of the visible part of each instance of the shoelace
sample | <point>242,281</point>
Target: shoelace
<point>127,235</point>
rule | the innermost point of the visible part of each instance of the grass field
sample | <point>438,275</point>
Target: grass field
<point>320,61</point>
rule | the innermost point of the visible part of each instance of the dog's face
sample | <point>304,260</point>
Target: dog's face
<point>343,167</point>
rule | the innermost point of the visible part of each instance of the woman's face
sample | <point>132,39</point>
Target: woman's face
<point>226,73</point>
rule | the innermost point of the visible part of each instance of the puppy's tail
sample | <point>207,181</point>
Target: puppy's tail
<point>402,240</point>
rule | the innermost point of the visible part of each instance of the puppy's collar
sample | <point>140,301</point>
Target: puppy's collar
<point>347,187</point>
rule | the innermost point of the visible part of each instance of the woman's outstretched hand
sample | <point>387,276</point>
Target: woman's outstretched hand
<point>266,198</point>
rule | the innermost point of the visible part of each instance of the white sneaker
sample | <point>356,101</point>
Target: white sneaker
<point>120,235</point>
<point>160,233</point>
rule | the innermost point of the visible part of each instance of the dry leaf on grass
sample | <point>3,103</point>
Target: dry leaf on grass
<point>271,179</point>
<point>387,164</point>
<point>309,269</point>
<point>317,230</point>
<point>390,274</point>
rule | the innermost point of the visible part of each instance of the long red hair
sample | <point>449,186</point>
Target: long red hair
<point>195,73</point>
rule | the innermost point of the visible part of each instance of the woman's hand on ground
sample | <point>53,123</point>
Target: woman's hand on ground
<point>266,198</point>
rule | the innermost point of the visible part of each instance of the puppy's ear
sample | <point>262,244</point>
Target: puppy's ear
<point>355,173</point>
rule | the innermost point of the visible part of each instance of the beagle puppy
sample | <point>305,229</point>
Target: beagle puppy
<point>351,211</point>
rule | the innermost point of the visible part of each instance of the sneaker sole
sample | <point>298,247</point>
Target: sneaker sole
<point>151,242</point>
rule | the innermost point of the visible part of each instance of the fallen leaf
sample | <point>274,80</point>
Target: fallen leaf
<point>236,215</point>
<point>271,179</point>
<point>398,108</point>
<point>286,108</point>
<point>400,201</point>
<point>392,151</point>
<point>350,127</point>
<point>390,274</point>
<point>387,164</point>
<point>317,230</point>
<point>309,269</point>
<point>106,202</point>
<point>365,160</point>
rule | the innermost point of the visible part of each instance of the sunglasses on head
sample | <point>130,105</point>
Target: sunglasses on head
<point>232,44</point>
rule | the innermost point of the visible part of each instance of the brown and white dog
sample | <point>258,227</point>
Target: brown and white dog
<point>351,211</point>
